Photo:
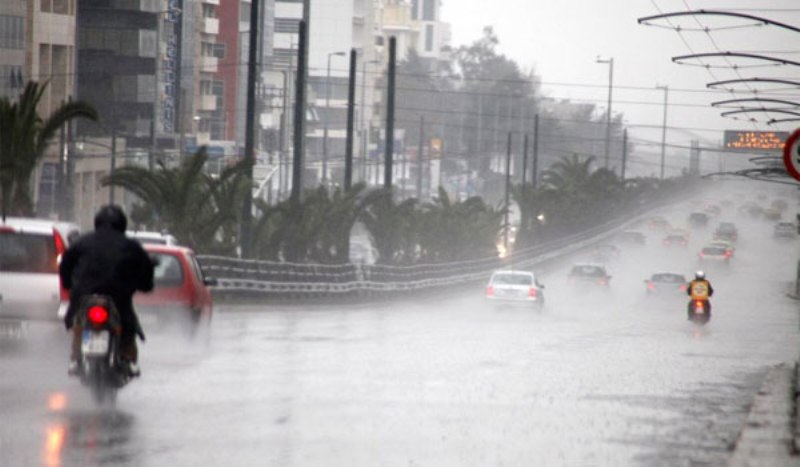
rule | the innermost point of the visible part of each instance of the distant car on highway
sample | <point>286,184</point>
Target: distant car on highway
<point>713,254</point>
<point>726,231</point>
<point>724,244</point>
<point>594,274</point>
<point>698,219</point>
<point>512,286</point>
<point>606,252</point>
<point>666,284</point>
<point>675,239</point>
<point>772,214</point>
<point>658,223</point>
<point>785,230</point>
<point>631,237</point>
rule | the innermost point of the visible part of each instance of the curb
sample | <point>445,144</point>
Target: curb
<point>770,432</point>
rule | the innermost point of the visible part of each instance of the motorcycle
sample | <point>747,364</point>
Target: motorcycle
<point>699,311</point>
<point>101,328</point>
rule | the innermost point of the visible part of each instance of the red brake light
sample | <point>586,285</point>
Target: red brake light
<point>98,314</point>
<point>601,282</point>
<point>490,291</point>
<point>651,286</point>
<point>532,292</point>
<point>682,287</point>
<point>60,249</point>
<point>698,304</point>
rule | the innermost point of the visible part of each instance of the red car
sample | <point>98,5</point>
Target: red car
<point>181,292</point>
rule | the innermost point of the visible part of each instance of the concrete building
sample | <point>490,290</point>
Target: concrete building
<point>13,25</point>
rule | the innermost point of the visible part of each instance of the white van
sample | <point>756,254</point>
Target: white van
<point>30,251</point>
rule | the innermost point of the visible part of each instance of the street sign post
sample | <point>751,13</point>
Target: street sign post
<point>791,154</point>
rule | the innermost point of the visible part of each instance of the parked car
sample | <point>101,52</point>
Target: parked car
<point>181,292</point>
<point>515,287</point>
<point>30,289</point>
<point>589,274</point>
<point>666,283</point>
<point>785,230</point>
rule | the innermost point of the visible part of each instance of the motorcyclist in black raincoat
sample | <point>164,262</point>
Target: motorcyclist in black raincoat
<point>109,263</point>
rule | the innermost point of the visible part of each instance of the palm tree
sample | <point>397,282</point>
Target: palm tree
<point>24,139</point>
<point>198,209</point>
<point>390,226</point>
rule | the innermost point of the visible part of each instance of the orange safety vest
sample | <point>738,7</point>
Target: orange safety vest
<point>699,289</point>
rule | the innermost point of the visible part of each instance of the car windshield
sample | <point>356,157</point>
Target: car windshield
<point>27,253</point>
<point>588,270</point>
<point>168,271</point>
<point>512,279</point>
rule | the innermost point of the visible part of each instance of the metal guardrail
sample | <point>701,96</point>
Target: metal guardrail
<point>248,278</point>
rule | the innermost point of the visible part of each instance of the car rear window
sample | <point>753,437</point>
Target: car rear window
<point>512,279</point>
<point>168,272</point>
<point>27,253</point>
<point>714,250</point>
<point>589,271</point>
<point>670,278</point>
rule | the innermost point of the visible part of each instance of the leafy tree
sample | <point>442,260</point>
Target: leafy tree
<point>198,209</point>
<point>390,226</point>
<point>24,140</point>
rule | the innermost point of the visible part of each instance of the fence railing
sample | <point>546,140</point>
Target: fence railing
<point>253,278</point>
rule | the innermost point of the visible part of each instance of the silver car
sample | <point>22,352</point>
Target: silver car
<point>511,286</point>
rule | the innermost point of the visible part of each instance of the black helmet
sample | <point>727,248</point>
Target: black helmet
<point>111,216</point>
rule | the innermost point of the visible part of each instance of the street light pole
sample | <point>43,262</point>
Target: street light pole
<point>610,63</point>
<point>327,119</point>
<point>663,129</point>
<point>363,117</point>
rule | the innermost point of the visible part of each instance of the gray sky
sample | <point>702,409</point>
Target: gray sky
<point>561,40</point>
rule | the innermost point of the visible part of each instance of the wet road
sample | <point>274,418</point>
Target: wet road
<point>598,379</point>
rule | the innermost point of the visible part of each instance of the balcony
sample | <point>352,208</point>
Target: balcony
<point>208,102</point>
<point>210,26</point>
<point>208,64</point>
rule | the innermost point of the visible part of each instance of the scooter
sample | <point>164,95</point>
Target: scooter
<point>101,328</point>
<point>699,311</point>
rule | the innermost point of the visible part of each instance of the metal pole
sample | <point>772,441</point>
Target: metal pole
<point>524,160</point>
<point>508,183</point>
<point>624,154</point>
<point>535,165</point>
<point>387,169</point>
<point>113,161</point>
<point>351,108</point>
<point>362,119</point>
<point>420,155</point>
<point>324,177</point>
<point>249,133</point>
<point>608,115</point>
<point>664,131</point>
<point>299,116</point>
<point>153,125</point>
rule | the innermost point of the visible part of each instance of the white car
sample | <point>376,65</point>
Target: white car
<point>515,287</point>
<point>152,238</point>
<point>30,251</point>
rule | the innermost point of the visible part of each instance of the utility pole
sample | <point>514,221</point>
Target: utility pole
<point>535,174</point>
<point>351,108</point>
<point>664,129</point>
<point>387,169</point>
<point>524,160</point>
<point>610,63</point>
<point>508,188</point>
<point>249,132</point>
<point>624,154</point>
<point>299,116</point>
<point>420,155</point>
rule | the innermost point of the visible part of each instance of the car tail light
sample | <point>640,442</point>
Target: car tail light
<point>728,254</point>
<point>532,292</point>
<point>98,315</point>
<point>60,249</point>
<point>6,229</point>
<point>701,255</point>
<point>651,286</point>
<point>665,242</point>
<point>601,282</point>
<point>682,287</point>
<point>490,291</point>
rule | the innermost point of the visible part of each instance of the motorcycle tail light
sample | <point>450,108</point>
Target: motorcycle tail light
<point>97,315</point>
<point>698,304</point>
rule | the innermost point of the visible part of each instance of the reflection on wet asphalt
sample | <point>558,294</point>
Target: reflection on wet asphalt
<point>601,378</point>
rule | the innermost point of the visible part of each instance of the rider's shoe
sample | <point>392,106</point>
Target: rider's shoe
<point>134,370</point>
<point>75,368</point>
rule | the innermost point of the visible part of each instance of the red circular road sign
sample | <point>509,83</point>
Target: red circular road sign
<point>791,154</point>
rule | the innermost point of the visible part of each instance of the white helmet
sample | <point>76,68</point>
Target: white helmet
<point>699,275</point>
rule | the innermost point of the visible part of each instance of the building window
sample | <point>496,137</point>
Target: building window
<point>244,12</point>
<point>428,10</point>
<point>287,25</point>
<point>209,11</point>
<point>12,32</point>
<point>219,50</point>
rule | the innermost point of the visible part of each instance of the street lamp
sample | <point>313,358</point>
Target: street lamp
<point>663,128</point>
<point>327,118</point>
<point>610,63</point>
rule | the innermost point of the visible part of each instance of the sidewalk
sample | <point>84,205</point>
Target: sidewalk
<point>771,434</point>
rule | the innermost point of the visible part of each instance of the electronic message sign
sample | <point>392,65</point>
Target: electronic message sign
<point>755,141</point>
